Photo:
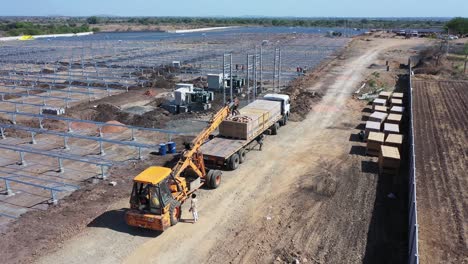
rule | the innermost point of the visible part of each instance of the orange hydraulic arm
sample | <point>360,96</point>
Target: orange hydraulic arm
<point>192,157</point>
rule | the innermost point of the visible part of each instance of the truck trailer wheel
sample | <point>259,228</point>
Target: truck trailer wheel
<point>242,155</point>
<point>175,212</point>
<point>284,121</point>
<point>274,129</point>
<point>213,178</point>
<point>233,162</point>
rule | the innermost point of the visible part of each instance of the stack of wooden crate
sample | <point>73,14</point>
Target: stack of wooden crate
<point>372,127</point>
<point>374,142</point>
<point>394,140</point>
<point>391,129</point>
<point>396,102</point>
<point>378,117</point>
<point>254,117</point>
<point>394,119</point>
<point>397,110</point>
<point>389,160</point>
<point>378,102</point>
<point>397,96</point>
<point>379,108</point>
<point>385,95</point>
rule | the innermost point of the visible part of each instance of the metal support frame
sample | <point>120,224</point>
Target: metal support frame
<point>67,135</point>
<point>227,67</point>
<point>98,162</point>
<point>53,190</point>
<point>69,120</point>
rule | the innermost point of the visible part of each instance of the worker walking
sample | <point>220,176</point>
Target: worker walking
<point>260,141</point>
<point>193,207</point>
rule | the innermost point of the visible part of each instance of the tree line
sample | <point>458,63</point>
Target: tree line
<point>288,22</point>
<point>29,28</point>
<point>15,26</point>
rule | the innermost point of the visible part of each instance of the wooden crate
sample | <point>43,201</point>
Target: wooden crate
<point>397,95</point>
<point>389,160</point>
<point>394,140</point>
<point>372,127</point>
<point>253,119</point>
<point>378,117</point>
<point>397,110</point>
<point>385,95</point>
<point>394,119</point>
<point>378,102</point>
<point>234,129</point>
<point>391,129</point>
<point>374,142</point>
<point>379,108</point>
<point>396,102</point>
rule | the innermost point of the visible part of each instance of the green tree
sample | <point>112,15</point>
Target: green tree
<point>458,25</point>
<point>92,20</point>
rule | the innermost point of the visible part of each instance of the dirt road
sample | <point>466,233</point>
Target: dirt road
<point>303,196</point>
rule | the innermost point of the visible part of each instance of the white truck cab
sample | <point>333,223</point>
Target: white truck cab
<point>283,98</point>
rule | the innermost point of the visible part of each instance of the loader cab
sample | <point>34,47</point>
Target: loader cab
<point>150,192</point>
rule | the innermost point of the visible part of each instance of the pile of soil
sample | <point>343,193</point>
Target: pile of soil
<point>152,119</point>
<point>107,112</point>
<point>113,129</point>
<point>82,126</point>
<point>302,102</point>
<point>433,61</point>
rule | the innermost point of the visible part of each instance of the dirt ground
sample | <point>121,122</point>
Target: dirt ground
<point>311,200</point>
<point>440,116</point>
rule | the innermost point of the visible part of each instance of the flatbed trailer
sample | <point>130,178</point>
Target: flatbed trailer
<point>227,152</point>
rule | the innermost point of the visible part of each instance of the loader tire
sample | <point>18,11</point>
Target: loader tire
<point>242,155</point>
<point>175,212</point>
<point>233,162</point>
<point>213,179</point>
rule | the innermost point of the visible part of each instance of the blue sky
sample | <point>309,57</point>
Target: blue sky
<point>300,8</point>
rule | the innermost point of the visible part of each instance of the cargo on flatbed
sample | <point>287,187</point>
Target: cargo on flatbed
<point>237,134</point>
<point>252,119</point>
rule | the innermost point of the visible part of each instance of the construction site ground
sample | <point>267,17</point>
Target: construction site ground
<point>311,194</point>
<point>440,117</point>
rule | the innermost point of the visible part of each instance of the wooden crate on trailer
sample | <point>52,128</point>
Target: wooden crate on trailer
<point>372,127</point>
<point>394,140</point>
<point>378,117</point>
<point>374,141</point>
<point>385,95</point>
<point>235,129</point>
<point>253,119</point>
<point>378,102</point>
<point>389,160</point>
<point>379,108</point>
<point>394,119</point>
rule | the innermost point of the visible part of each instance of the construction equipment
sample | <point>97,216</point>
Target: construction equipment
<point>159,192</point>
